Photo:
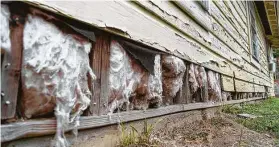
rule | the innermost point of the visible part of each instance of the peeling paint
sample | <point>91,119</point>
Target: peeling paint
<point>163,36</point>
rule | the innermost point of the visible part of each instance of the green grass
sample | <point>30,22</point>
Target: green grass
<point>267,112</point>
<point>134,137</point>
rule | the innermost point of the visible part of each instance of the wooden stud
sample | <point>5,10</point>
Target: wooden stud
<point>100,65</point>
<point>96,88</point>
<point>204,91</point>
<point>179,98</point>
<point>11,71</point>
<point>105,68</point>
<point>183,94</point>
<point>186,86</point>
<point>234,96</point>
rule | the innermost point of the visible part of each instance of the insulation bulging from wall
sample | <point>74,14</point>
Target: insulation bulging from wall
<point>226,96</point>
<point>198,82</point>
<point>5,29</point>
<point>173,72</point>
<point>214,86</point>
<point>130,84</point>
<point>193,79</point>
<point>54,75</point>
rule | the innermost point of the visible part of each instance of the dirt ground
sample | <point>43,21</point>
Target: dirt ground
<point>218,131</point>
<point>215,132</point>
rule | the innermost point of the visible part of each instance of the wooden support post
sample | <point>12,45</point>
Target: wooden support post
<point>234,97</point>
<point>186,87</point>
<point>204,90</point>
<point>105,68</point>
<point>100,65</point>
<point>11,67</point>
<point>179,98</point>
<point>230,97</point>
<point>197,97</point>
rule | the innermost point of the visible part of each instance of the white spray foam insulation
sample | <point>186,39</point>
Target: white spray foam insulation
<point>214,86</point>
<point>226,96</point>
<point>5,28</point>
<point>54,70</point>
<point>130,83</point>
<point>123,79</point>
<point>155,86</point>
<point>173,72</point>
<point>194,85</point>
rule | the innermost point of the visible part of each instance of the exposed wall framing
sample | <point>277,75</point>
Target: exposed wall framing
<point>203,52</point>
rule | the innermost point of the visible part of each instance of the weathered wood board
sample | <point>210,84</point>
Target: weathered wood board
<point>169,13</point>
<point>259,88</point>
<point>227,83</point>
<point>10,73</point>
<point>45,127</point>
<point>242,86</point>
<point>175,28</point>
<point>100,66</point>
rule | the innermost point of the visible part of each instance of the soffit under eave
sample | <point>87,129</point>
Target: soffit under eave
<point>271,8</point>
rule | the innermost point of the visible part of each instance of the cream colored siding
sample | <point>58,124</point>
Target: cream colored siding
<point>217,38</point>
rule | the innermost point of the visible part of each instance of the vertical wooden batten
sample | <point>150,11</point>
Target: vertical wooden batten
<point>186,87</point>
<point>105,68</point>
<point>100,65</point>
<point>11,67</point>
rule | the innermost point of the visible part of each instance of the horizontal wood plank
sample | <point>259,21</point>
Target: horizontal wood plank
<point>242,86</point>
<point>33,128</point>
<point>227,83</point>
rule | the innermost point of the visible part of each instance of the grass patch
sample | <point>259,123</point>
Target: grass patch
<point>267,112</point>
<point>138,138</point>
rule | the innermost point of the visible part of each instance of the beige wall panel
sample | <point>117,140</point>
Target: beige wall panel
<point>240,12</point>
<point>228,13</point>
<point>170,33</point>
<point>227,83</point>
<point>242,86</point>
<point>216,13</point>
<point>259,88</point>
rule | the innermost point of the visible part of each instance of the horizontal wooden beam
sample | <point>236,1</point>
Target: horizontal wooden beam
<point>33,128</point>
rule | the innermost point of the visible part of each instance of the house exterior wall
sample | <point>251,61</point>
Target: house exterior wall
<point>218,38</point>
<point>203,51</point>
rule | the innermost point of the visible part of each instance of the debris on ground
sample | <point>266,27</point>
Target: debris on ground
<point>217,132</point>
<point>245,115</point>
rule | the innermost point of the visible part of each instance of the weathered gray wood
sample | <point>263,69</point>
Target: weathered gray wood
<point>96,63</point>
<point>105,69</point>
<point>173,41</point>
<point>218,16</point>
<point>236,16</point>
<point>227,83</point>
<point>11,71</point>
<point>226,12</point>
<point>196,12</point>
<point>100,66</point>
<point>186,87</point>
<point>234,97</point>
<point>204,92</point>
<point>242,7</point>
<point>170,14</point>
<point>179,98</point>
<point>242,86</point>
<point>43,127</point>
<point>240,12</point>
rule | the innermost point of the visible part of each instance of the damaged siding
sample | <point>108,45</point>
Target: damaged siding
<point>168,54</point>
<point>168,34</point>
